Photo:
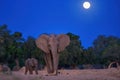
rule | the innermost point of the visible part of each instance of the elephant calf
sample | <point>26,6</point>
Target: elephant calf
<point>30,65</point>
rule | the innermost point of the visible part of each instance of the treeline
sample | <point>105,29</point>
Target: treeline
<point>14,50</point>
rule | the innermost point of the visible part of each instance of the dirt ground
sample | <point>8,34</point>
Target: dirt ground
<point>86,74</point>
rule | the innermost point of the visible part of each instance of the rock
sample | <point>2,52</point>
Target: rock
<point>22,69</point>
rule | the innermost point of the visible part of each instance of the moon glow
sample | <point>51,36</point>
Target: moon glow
<point>86,5</point>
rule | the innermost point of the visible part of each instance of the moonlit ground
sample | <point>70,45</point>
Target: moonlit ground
<point>85,74</point>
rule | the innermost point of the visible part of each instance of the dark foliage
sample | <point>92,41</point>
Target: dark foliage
<point>14,50</point>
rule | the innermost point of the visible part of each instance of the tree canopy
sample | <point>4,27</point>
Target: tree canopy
<point>13,46</point>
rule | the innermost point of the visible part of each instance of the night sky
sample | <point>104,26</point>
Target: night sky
<point>34,17</point>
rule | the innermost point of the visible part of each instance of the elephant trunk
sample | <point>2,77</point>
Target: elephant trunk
<point>55,62</point>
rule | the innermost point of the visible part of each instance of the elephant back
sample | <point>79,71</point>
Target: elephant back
<point>31,62</point>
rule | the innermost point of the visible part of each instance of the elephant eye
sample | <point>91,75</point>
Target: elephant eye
<point>49,45</point>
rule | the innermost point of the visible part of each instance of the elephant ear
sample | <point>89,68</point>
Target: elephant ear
<point>42,43</point>
<point>64,41</point>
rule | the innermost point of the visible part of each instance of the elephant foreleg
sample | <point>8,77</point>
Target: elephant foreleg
<point>30,70</point>
<point>55,64</point>
<point>47,65</point>
<point>26,70</point>
<point>49,62</point>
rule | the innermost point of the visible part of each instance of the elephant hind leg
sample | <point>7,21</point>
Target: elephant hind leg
<point>36,68</point>
<point>36,71</point>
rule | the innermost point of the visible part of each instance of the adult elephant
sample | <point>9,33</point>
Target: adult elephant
<point>52,45</point>
<point>30,65</point>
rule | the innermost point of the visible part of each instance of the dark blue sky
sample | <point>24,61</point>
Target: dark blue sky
<point>33,17</point>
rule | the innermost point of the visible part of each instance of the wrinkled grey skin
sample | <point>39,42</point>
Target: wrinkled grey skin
<point>30,65</point>
<point>52,45</point>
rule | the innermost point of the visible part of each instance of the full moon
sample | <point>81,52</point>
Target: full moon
<point>86,5</point>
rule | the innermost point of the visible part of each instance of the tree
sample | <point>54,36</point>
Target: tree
<point>112,51</point>
<point>4,42</point>
<point>106,49</point>
<point>88,56</point>
<point>31,50</point>
<point>11,44</point>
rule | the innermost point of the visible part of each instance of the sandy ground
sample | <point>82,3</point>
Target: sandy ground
<point>87,74</point>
